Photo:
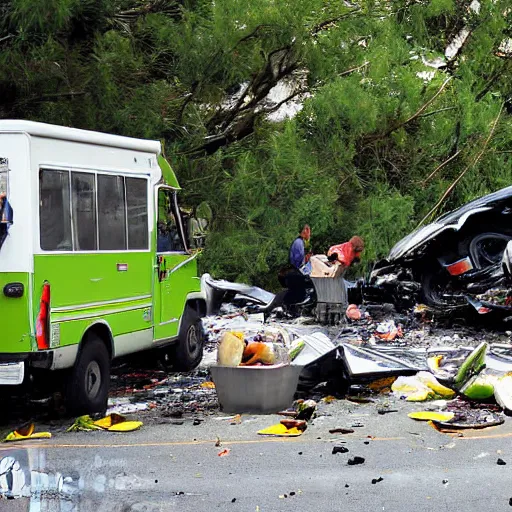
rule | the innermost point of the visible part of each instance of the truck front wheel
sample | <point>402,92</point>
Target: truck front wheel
<point>88,383</point>
<point>188,352</point>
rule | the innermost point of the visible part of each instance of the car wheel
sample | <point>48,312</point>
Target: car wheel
<point>436,290</point>
<point>485,248</point>
<point>188,353</point>
<point>88,384</point>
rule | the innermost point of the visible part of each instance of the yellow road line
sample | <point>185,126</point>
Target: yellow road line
<point>468,435</point>
<point>20,444</point>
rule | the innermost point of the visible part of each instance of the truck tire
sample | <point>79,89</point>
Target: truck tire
<point>188,352</point>
<point>88,384</point>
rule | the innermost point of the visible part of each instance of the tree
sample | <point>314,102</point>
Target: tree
<point>396,107</point>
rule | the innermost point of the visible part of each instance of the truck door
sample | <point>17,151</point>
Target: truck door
<point>175,267</point>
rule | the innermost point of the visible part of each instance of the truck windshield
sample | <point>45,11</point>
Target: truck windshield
<point>171,236</point>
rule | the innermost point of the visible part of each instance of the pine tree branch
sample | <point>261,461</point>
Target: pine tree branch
<point>51,97</point>
<point>464,172</point>
<point>441,166</point>
<point>5,38</point>
<point>417,114</point>
<point>326,23</point>
<point>277,106</point>
<point>433,112</point>
<point>351,70</point>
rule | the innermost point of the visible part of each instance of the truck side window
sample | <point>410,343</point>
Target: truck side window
<point>83,202</point>
<point>168,235</point>
<point>137,212</point>
<point>54,211</point>
<point>112,212</point>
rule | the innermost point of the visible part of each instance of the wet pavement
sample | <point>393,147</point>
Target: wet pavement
<point>173,462</point>
<point>177,467</point>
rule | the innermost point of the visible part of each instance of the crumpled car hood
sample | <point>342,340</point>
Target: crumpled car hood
<point>453,220</point>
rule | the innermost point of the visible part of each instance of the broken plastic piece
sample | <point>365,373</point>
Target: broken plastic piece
<point>503,392</point>
<point>355,461</point>
<point>25,433</point>
<point>431,415</point>
<point>306,409</point>
<point>281,431</point>
<point>113,423</point>
<point>388,331</point>
<point>473,364</point>
<point>224,452</point>
<point>423,386</point>
<point>291,423</point>
<point>339,449</point>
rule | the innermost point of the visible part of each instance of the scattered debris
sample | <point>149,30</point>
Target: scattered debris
<point>341,431</point>
<point>339,449</point>
<point>291,423</point>
<point>236,420</point>
<point>280,430</point>
<point>355,461</point>
<point>431,416</point>
<point>224,453</point>
<point>26,432</point>
<point>377,480</point>
<point>501,462</point>
<point>423,386</point>
<point>112,423</point>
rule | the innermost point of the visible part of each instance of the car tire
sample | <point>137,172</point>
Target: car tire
<point>188,352</point>
<point>88,383</point>
<point>470,245</point>
<point>433,280</point>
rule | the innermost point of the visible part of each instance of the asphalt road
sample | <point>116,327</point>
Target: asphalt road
<point>176,467</point>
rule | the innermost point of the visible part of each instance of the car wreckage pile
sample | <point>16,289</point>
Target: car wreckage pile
<point>390,329</point>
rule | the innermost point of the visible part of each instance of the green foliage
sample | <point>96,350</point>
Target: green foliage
<point>375,146</point>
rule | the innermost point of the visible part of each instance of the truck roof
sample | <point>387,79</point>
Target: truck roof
<point>52,131</point>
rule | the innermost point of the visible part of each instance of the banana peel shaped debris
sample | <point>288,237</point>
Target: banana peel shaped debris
<point>112,423</point>
<point>473,364</point>
<point>422,386</point>
<point>26,432</point>
<point>431,416</point>
<point>280,430</point>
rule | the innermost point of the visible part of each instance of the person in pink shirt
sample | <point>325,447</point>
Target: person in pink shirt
<point>349,252</point>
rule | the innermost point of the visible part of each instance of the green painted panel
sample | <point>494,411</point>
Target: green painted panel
<point>72,331</point>
<point>171,292</point>
<point>16,335</point>
<point>80,281</point>
<point>87,278</point>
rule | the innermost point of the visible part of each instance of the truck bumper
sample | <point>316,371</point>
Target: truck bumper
<point>12,374</point>
<point>15,367</point>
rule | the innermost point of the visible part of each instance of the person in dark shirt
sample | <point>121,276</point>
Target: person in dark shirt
<point>294,278</point>
<point>298,255</point>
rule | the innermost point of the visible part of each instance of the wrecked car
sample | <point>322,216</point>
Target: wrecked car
<point>457,256</point>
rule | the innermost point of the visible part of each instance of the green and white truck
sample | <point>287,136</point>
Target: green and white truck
<point>94,262</point>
